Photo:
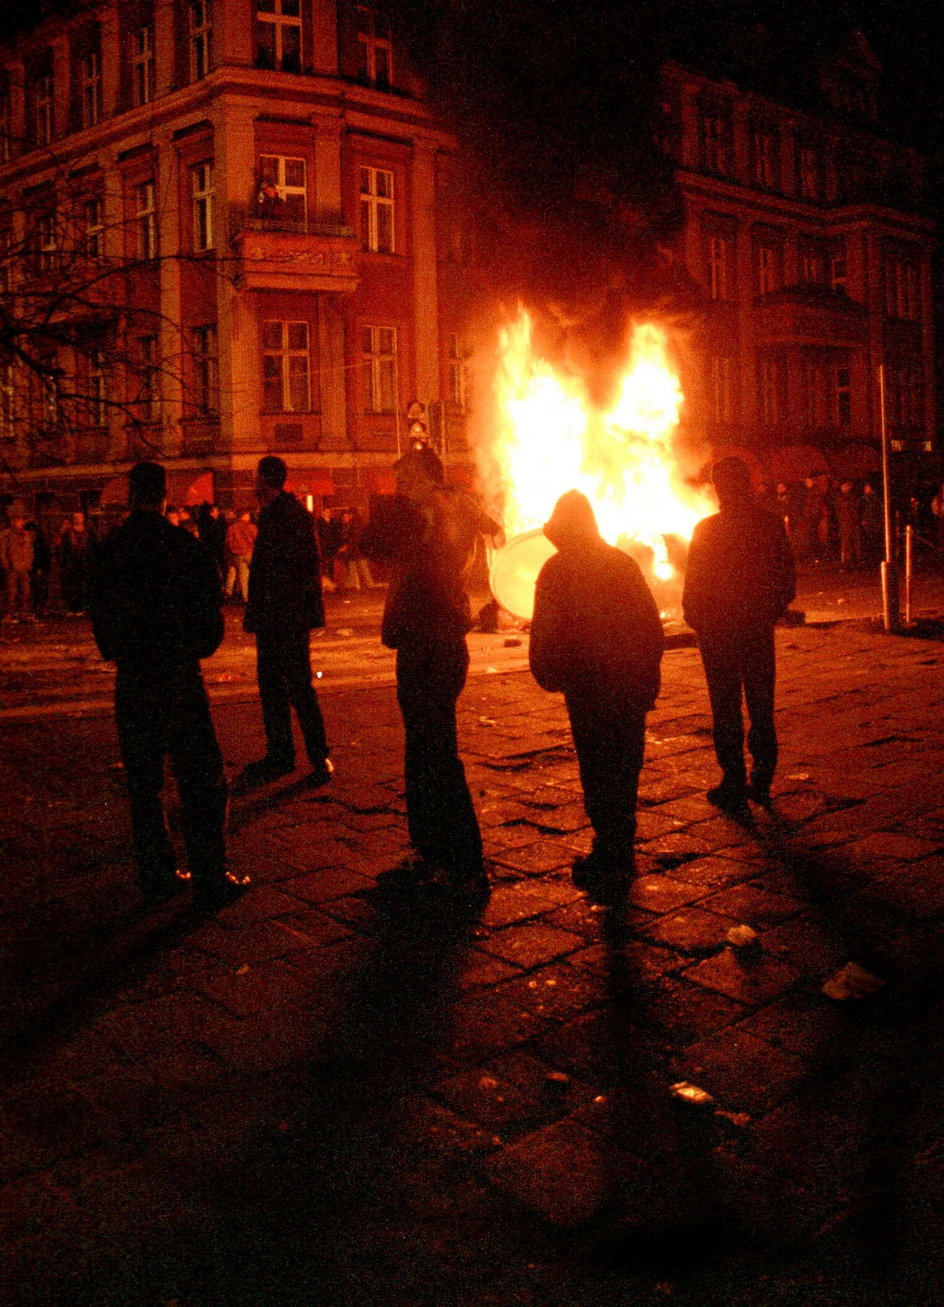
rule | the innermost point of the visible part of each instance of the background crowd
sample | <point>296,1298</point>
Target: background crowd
<point>45,571</point>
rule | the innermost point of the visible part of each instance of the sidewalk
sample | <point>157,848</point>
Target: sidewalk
<point>321,1098</point>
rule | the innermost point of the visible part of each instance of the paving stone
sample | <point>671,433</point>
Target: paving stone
<point>329,883</point>
<point>662,893</point>
<point>685,1011</point>
<point>754,906</point>
<point>602,1047</point>
<point>530,898</point>
<point>483,1025</point>
<point>811,943</point>
<point>564,1173</point>
<point>749,980</point>
<point>713,872</point>
<point>265,987</point>
<point>886,844</point>
<point>531,944</point>
<point>692,930</point>
<point>637,961</point>
<point>745,1074</point>
<point>555,992</point>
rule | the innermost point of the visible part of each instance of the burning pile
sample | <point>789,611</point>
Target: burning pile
<point>550,437</point>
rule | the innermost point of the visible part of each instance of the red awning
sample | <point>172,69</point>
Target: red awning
<point>309,482</point>
<point>381,481</point>
<point>184,487</point>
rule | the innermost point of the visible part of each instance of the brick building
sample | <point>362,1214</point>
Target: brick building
<point>807,231</point>
<point>254,191</point>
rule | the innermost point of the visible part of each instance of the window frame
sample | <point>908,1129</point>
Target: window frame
<point>280,22</point>
<point>43,99</point>
<point>375,209</point>
<point>371,43</point>
<point>206,369</point>
<point>90,87</point>
<point>287,190</point>
<point>143,67</point>
<point>380,370</point>
<point>202,194</point>
<point>145,219</point>
<point>93,226</point>
<point>199,38</point>
<point>285,374</point>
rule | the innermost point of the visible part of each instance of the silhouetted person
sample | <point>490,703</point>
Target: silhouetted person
<point>846,509</point>
<point>17,555</point>
<point>75,552</point>
<point>428,532</point>
<point>596,636</point>
<point>739,582</point>
<point>284,606</point>
<point>155,603</point>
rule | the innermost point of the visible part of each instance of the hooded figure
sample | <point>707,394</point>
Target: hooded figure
<point>739,581</point>
<point>596,637</point>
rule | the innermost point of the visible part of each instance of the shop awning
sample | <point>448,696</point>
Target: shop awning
<point>302,481</point>
<point>381,481</point>
<point>185,487</point>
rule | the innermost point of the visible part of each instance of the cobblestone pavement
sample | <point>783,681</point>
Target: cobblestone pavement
<point>331,1096</point>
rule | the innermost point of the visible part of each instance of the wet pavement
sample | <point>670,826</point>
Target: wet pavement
<point>334,1095</point>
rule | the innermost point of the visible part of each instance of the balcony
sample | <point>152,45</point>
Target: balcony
<point>295,256</point>
<point>809,315</point>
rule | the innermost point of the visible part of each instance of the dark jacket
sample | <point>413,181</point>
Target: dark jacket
<point>155,595</point>
<point>596,629</point>
<point>740,573</point>
<point>432,547</point>
<point>285,572</point>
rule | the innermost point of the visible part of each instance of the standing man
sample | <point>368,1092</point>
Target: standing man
<point>155,598</point>
<point>240,542</point>
<point>17,555</point>
<point>284,606</point>
<point>428,531</point>
<point>739,582</point>
<point>596,636</point>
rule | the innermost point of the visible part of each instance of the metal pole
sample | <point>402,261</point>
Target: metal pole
<point>909,570</point>
<point>890,610</point>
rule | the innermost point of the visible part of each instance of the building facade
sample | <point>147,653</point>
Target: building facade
<point>806,232</point>
<point>243,207</point>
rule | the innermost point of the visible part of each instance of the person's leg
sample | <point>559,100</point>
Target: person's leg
<point>441,817</point>
<point>609,740</point>
<point>759,669</point>
<point>198,769</point>
<point>301,693</point>
<point>273,696</point>
<point>720,660</point>
<point>141,717</point>
<point>242,570</point>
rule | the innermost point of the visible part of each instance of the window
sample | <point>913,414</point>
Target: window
<point>379,348</point>
<point>765,158</point>
<point>6,120</point>
<point>47,240</point>
<point>97,389</point>
<point>90,83</point>
<point>49,393</point>
<point>843,390</point>
<point>149,388</point>
<point>768,261</point>
<point>374,47</point>
<point>377,210</point>
<point>720,387</point>
<point>145,220</point>
<point>716,140</point>
<point>42,104</point>
<point>719,264</point>
<point>458,372</point>
<point>809,172</point>
<point>904,400</point>
<point>206,371</point>
<point>7,402</point>
<point>279,35</point>
<point>142,64</point>
<point>201,32</point>
<point>288,205</point>
<point>772,389</point>
<point>93,223</point>
<point>837,270</point>
<point>902,300</point>
<point>201,182</point>
<point>814,262</point>
<point>285,367</point>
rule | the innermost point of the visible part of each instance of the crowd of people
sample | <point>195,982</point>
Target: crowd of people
<point>842,521</point>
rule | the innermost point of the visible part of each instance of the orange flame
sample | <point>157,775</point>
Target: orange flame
<point>550,438</point>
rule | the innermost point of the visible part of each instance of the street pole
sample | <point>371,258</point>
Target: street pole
<point>890,611</point>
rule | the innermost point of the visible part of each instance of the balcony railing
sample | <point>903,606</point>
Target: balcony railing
<point>289,254</point>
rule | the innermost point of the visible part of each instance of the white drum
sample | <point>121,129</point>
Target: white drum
<point>515,569</point>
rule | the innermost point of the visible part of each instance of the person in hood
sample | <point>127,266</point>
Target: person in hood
<point>156,611</point>
<point>739,581</point>
<point>596,637</point>
<point>428,532</point>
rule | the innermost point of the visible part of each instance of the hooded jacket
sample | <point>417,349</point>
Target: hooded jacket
<point>596,629</point>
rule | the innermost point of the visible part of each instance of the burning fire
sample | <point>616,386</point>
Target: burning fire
<point>550,437</point>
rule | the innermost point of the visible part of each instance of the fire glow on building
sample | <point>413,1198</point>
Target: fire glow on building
<point>548,436</point>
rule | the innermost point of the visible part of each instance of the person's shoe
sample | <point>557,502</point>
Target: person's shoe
<point>321,773</point>
<point>730,798</point>
<point>265,770</point>
<point>220,893</point>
